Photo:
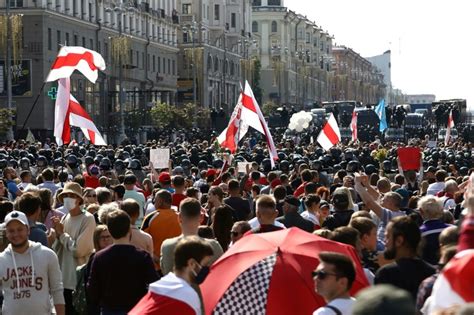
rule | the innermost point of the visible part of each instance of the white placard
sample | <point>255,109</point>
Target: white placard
<point>432,144</point>
<point>242,166</point>
<point>160,158</point>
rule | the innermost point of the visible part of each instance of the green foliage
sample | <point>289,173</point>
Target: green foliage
<point>257,89</point>
<point>269,108</point>
<point>165,115</point>
<point>6,120</point>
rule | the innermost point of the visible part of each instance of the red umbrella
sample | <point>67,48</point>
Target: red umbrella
<point>270,273</point>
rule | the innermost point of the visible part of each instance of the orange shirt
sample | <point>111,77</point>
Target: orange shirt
<point>161,225</point>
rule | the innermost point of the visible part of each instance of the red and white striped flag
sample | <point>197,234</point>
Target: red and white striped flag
<point>448,128</point>
<point>246,114</point>
<point>454,284</point>
<point>354,125</point>
<point>235,131</point>
<point>330,134</point>
<point>170,295</point>
<point>71,58</point>
<point>68,112</point>
<point>252,116</point>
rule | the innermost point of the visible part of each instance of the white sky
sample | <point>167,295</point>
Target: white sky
<point>432,41</point>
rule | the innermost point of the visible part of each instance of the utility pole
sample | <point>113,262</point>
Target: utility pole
<point>224,101</point>
<point>8,69</point>
<point>122,135</point>
<point>193,31</point>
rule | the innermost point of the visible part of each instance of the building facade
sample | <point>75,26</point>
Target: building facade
<point>213,40</point>
<point>295,55</point>
<point>148,59</point>
<point>356,78</point>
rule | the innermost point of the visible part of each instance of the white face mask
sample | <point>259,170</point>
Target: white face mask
<point>69,203</point>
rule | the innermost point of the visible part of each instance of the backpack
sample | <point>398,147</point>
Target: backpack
<point>79,300</point>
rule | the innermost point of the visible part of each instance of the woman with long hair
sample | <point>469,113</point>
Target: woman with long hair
<point>223,220</point>
<point>47,211</point>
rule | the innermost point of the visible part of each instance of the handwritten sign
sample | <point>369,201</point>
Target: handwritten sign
<point>160,158</point>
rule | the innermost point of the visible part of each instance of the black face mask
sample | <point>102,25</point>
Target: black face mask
<point>201,275</point>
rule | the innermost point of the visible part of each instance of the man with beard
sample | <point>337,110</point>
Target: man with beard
<point>402,238</point>
<point>29,272</point>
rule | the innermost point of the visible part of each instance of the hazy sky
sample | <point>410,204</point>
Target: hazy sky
<point>432,42</point>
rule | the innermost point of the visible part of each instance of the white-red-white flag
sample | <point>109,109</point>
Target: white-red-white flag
<point>354,125</point>
<point>235,131</point>
<point>448,128</point>
<point>71,58</point>
<point>252,116</point>
<point>454,285</point>
<point>330,134</point>
<point>170,295</point>
<point>68,112</point>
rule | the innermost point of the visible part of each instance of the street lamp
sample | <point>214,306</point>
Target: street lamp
<point>192,29</point>
<point>302,55</point>
<point>120,9</point>
<point>245,47</point>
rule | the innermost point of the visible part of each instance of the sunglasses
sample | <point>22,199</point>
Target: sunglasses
<point>321,274</point>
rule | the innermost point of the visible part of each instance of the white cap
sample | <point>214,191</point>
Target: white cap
<point>16,216</point>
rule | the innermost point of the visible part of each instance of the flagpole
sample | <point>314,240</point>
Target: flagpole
<point>33,106</point>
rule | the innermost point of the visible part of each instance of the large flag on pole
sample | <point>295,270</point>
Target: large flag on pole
<point>448,128</point>
<point>252,115</point>
<point>330,134</point>
<point>71,58</point>
<point>68,112</point>
<point>354,125</point>
<point>246,114</point>
<point>380,111</point>
<point>230,137</point>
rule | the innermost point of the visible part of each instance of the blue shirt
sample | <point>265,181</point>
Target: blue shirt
<point>12,188</point>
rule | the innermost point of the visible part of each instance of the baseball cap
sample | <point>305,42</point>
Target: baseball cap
<point>340,200</point>
<point>164,177</point>
<point>16,216</point>
<point>323,204</point>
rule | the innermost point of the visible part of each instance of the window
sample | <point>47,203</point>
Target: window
<point>186,8</point>
<point>209,63</point>
<point>148,64</point>
<point>58,36</point>
<point>233,20</point>
<point>169,66</point>
<point>164,65</point>
<point>50,44</point>
<point>174,67</point>
<point>143,60</point>
<point>154,63</point>
<point>16,3</point>
<point>216,12</point>
<point>185,37</point>
<point>83,42</point>
<point>257,3</point>
<point>138,58</point>
<point>106,51</point>
<point>76,40</point>
<point>274,27</point>
<point>159,64</point>
<point>254,27</point>
<point>308,38</point>
<point>91,43</point>
<point>67,39</point>
<point>274,2</point>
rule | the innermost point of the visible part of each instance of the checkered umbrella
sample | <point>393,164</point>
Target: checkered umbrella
<point>270,273</point>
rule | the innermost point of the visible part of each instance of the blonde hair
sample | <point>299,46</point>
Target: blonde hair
<point>431,206</point>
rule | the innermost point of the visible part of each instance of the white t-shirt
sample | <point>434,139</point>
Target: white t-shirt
<point>435,188</point>
<point>310,217</point>
<point>343,305</point>
<point>255,224</point>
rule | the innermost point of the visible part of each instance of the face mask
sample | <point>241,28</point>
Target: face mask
<point>201,275</point>
<point>69,203</point>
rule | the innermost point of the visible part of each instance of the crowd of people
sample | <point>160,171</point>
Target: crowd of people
<point>99,230</point>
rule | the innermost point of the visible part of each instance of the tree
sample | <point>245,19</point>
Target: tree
<point>269,108</point>
<point>6,120</point>
<point>257,90</point>
<point>162,115</point>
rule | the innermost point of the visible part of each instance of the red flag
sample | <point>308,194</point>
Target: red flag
<point>409,158</point>
<point>71,58</point>
<point>330,134</point>
<point>354,125</point>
